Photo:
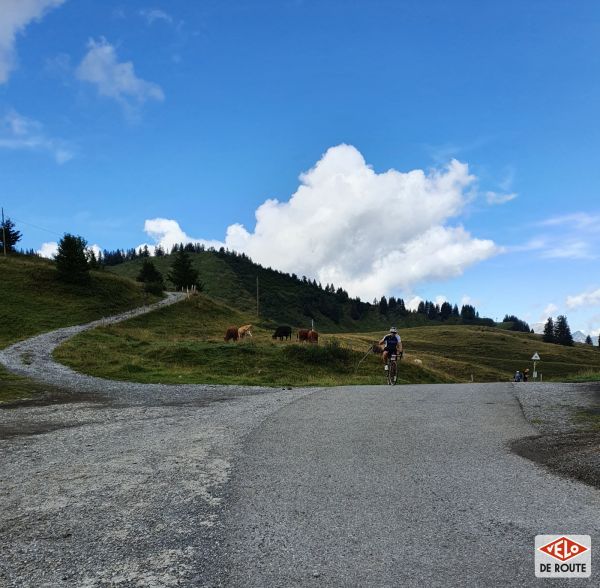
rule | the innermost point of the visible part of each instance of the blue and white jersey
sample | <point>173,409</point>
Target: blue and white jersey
<point>392,340</point>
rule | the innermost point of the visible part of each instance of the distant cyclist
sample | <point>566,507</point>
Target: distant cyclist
<point>392,345</point>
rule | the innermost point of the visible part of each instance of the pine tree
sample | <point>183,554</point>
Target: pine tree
<point>71,260</point>
<point>562,332</point>
<point>445,311</point>
<point>468,312</point>
<point>151,278</point>
<point>588,340</point>
<point>383,305</point>
<point>548,336</point>
<point>182,274</point>
<point>12,236</point>
<point>92,259</point>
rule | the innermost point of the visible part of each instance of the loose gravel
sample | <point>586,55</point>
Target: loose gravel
<point>566,444</point>
<point>124,486</point>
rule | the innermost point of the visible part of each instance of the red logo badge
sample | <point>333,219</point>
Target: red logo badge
<point>563,549</point>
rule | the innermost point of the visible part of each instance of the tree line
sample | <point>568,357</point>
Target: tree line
<point>74,260</point>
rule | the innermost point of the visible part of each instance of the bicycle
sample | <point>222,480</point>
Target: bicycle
<point>392,368</point>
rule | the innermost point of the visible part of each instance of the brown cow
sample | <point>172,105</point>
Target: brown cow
<point>302,335</point>
<point>231,334</point>
<point>244,331</point>
<point>313,337</point>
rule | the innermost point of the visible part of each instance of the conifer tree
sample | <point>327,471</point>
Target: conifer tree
<point>588,340</point>
<point>12,236</point>
<point>182,274</point>
<point>548,336</point>
<point>92,259</point>
<point>71,260</point>
<point>383,305</point>
<point>445,311</point>
<point>562,332</point>
<point>151,278</point>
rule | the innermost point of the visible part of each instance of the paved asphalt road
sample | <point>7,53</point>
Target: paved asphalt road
<point>402,486</point>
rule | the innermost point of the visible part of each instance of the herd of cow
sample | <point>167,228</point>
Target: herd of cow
<point>281,333</point>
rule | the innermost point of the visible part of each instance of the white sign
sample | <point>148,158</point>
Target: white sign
<point>535,357</point>
<point>563,556</point>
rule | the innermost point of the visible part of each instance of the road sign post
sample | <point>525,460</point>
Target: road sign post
<point>535,359</point>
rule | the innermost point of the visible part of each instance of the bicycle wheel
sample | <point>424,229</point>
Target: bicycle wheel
<point>392,373</point>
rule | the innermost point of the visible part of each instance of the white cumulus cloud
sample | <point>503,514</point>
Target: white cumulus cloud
<point>114,79</point>
<point>167,232</point>
<point>371,233</point>
<point>413,303</point>
<point>591,298</point>
<point>368,232</point>
<point>18,132</point>
<point>49,249</point>
<point>15,15</point>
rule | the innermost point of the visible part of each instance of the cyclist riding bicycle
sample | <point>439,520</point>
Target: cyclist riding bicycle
<point>392,345</point>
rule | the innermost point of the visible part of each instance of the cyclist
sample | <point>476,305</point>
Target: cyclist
<point>392,345</point>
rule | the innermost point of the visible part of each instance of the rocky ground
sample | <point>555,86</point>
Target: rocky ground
<point>568,419</point>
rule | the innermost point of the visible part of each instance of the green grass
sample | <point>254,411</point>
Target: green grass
<point>34,301</point>
<point>283,299</point>
<point>589,418</point>
<point>183,343</point>
<point>587,375</point>
<point>17,388</point>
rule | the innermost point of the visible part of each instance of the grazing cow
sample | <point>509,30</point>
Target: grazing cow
<point>313,336</point>
<point>231,334</point>
<point>302,335</point>
<point>282,332</point>
<point>245,331</point>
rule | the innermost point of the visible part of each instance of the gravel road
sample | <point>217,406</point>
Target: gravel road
<point>155,485</point>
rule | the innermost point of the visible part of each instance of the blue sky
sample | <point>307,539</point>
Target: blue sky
<point>113,114</point>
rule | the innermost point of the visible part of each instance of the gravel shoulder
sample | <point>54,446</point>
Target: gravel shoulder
<point>116,483</point>
<point>567,417</point>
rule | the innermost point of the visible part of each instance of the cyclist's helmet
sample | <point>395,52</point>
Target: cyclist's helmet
<point>393,330</point>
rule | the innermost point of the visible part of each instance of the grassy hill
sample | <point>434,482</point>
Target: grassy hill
<point>34,301</point>
<point>184,343</point>
<point>283,298</point>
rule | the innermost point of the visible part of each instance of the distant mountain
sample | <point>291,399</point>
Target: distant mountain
<point>578,336</point>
